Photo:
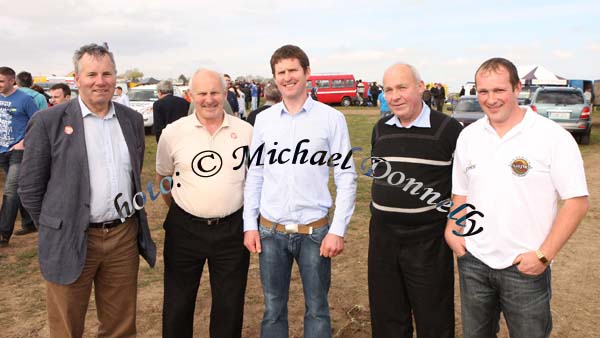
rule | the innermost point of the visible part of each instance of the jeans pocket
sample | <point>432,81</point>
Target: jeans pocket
<point>318,234</point>
<point>264,232</point>
<point>527,276</point>
<point>459,258</point>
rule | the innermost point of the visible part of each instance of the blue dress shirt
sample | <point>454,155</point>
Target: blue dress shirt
<point>109,163</point>
<point>298,193</point>
<point>421,121</point>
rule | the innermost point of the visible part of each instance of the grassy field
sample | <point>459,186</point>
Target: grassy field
<point>575,273</point>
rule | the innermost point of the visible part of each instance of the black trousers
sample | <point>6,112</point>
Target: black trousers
<point>189,243</point>
<point>406,279</point>
<point>439,103</point>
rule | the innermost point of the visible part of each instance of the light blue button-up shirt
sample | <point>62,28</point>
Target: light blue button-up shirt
<point>109,164</point>
<point>298,193</point>
<point>421,121</point>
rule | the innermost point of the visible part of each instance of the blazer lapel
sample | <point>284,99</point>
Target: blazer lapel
<point>129,135</point>
<point>75,134</point>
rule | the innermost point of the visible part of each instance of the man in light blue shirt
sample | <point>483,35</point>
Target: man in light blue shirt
<point>287,190</point>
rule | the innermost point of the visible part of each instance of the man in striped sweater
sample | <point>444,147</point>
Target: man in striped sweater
<point>410,265</point>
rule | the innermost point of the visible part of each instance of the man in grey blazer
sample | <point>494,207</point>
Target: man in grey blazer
<point>78,157</point>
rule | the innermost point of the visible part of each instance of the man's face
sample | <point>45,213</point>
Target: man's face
<point>496,95</point>
<point>6,84</point>
<point>96,79</point>
<point>118,91</point>
<point>208,95</point>
<point>228,81</point>
<point>291,79</point>
<point>403,93</point>
<point>57,96</point>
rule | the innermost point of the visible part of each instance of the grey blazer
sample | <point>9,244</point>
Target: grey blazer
<point>54,186</point>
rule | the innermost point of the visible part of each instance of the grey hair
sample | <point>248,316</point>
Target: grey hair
<point>412,68</point>
<point>93,50</point>
<point>221,77</point>
<point>272,93</point>
<point>165,87</point>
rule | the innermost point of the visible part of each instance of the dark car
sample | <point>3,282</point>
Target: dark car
<point>567,107</point>
<point>467,110</point>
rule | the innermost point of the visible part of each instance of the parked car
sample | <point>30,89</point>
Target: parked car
<point>467,110</point>
<point>567,107</point>
<point>141,99</point>
<point>525,95</point>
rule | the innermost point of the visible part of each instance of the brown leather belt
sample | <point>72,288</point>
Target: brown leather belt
<point>305,229</point>
<point>106,225</point>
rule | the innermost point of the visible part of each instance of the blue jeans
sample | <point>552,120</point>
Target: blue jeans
<point>485,292</point>
<point>278,253</point>
<point>10,162</point>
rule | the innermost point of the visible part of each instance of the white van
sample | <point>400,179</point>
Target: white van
<point>141,99</point>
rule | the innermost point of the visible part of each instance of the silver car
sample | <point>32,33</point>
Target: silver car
<point>567,107</point>
<point>467,110</point>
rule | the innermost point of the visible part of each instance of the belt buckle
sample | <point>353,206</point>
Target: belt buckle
<point>291,228</point>
<point>104,224</point>
<point>212,221</point>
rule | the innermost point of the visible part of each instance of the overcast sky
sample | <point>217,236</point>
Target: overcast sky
<point>445,41</point>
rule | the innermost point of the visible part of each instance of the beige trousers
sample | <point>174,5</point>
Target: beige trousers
<point>112,266</point>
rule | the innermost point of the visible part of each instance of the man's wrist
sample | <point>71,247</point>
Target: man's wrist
<point>541,257</point>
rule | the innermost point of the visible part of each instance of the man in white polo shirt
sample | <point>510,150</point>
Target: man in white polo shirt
<point>512,166</point>
<point>204,222</point>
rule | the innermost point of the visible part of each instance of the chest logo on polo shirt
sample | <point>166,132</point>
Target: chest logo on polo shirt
<point>520,166</point>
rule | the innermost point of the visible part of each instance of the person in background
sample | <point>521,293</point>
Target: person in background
<point>120,97</point>
<point>168,108</point>
<point>384,109</point>
<point>16,109</point>
<point>60,93</point>
<point>272,96</point>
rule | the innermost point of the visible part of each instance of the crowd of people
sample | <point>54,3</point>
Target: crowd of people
<point>66,164</point>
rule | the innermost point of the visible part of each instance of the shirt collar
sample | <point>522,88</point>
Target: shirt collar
<point>85,111</point>
<point>306,107</point>
<point>422,121</point>
<point>226,120</point>
<point>527,120</point>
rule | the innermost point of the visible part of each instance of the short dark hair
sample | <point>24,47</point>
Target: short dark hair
<point>7,71</point>
<point>66,89</point>
<point>93,50</point>
<point>289,52</point>
<point>24,80</point>
<point>494,64</point>
<point>119,88</point>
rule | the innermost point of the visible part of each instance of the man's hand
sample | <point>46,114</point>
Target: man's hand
<point>252,241</point>
<point>456,243</point>
<point>332,245</point>
<point>529,264</point>
<point>18,146</point>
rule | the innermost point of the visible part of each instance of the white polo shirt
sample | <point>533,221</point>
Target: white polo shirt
<point>515,181</point>
<point>205,183</point>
